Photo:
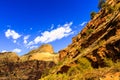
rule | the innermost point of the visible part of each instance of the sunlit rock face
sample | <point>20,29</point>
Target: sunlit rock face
<point>30,66</point>
<point>100,38</point>
<point>44,53</point>
<point>9,57</point>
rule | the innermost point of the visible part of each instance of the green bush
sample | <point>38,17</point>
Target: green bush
<point>56,77</point>
<point>92,14</point>
<point>73,71</point>
<point>108,7</point>
<point>101,4</point>
<point>109,62</point>
<point>84,64</point>
<point>89,31</point>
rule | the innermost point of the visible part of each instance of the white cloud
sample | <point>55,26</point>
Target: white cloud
<point>33,47</point>
<point>30,43</point>
<point>11,33</point>
<point>17,50</point>
<point>14,41</point>
<point>31,28</point>
<point>83,23</point>
<point>52,26</point>
<point>4,51</point>
<point>56,34</point>
<point>25,39</point>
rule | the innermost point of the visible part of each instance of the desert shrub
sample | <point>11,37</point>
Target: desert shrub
<point>101,3</point>
<point>73,71</point>
<point>89,31</point>
<point>80,49</point>
<point>110,9</point>
<point>117,65</point>
<point>92,14</point>
<point>84,64</point>
<point>60,63</point>
<point>101,42</point>
<point>56,77</point>
<point>117,7</point>
<point>76,72</point>
<point>109,62</point>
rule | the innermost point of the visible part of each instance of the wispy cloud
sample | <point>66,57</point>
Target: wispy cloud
<point>25,39</point>
<point>17,50</point>
<point>33,47</point>
<point>4,51</point>
<point>14,41</point>
<point>14,50</point>
<point>52,26</point>
<point>56,34</point>
<point>83,23</point>
<point>31,28</point>
<point>11,33</point>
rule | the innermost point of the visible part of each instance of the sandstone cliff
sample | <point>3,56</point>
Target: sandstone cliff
<point>94,53</point>
<point>9,57</point>
<point>28,70</point>
<point>43,48</point>
<point>29,66</point>
<point>100,38</point>
<point>44,53</point>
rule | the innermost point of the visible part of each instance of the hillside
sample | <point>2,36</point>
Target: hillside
<point>29,66</point>
<point>44,53</point>
<point>94,53</point>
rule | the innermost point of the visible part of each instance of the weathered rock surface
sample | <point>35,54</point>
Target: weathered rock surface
<point>44,53</point>
<point>43,48</point>
<point>29,70</point>
<point>29,66</point>
<point>9,57</point>
<point>99,39</point>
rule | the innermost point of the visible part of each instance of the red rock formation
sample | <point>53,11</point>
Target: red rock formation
<point>100,38</point>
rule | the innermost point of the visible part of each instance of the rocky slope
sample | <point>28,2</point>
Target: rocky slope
<point>29,66</point>
<point>100,38</point>
<point>43,53</point>
<point>28,70</point>
<point>99,43</point>
<point>43,48</point>
<point>94,53</point>
<point>9,56</point>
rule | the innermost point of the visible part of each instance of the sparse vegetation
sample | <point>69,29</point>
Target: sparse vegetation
<point>84,71</point>
<point>101,4</point>
<point>108,62</point>
<point>108,8</point>
<point>75,72</point>
<point>92,14</point>
<point>75,65</point>
<point>89,31</point>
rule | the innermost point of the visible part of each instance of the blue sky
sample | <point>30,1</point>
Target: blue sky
<point>27,24</point>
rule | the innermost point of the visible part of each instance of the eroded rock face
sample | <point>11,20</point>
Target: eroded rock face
<point>99,39</point>
<point>28,67</point>
<point>46,48</point>
<point>44,53</point>
<point>9,57</point>
<point>29,70</point>
<point>43,48</point>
